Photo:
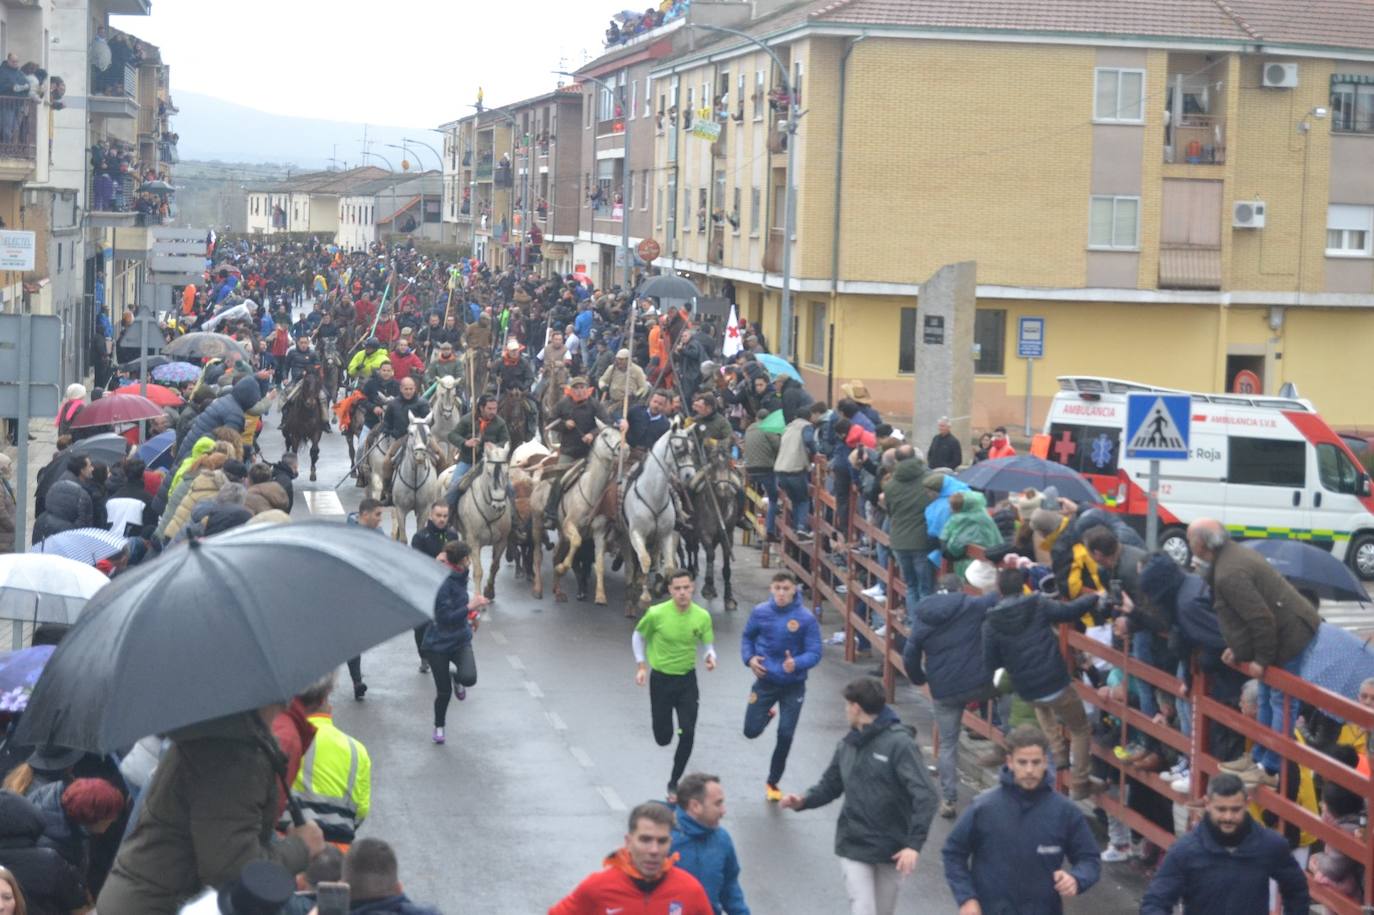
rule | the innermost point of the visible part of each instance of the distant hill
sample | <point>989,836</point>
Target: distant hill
<point>211,129</point>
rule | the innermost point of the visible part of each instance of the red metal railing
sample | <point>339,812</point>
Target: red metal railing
<point>822,574</point>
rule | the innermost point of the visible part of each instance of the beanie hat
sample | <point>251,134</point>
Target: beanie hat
<point>1046,522</point>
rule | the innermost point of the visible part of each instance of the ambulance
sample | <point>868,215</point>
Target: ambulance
<point>1266,467</point>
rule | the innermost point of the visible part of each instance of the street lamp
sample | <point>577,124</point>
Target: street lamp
<point>624,182</point>
<point>785,332</point>
<point>525,193</point>
<point>405,143</point>
<point>393,185</point>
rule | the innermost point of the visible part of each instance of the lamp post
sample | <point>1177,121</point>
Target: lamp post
<point>405,141</point>
<point>406,150</point>
<point>525,192</point>
<point>788,216</point>
<point>393,185</point>
<point>624,181</point>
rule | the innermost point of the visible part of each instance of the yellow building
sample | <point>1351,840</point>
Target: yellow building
<point>1186,196</point>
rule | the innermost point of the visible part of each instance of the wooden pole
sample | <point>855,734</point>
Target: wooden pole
<point>625,405</point>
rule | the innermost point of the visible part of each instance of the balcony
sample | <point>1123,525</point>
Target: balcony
<point>111,201</point>
<point>113,97</point>
<point>1198,139</point>
<point>772,252</point>
<point>504,176</point>
<point>615,125</point>
<point>18,138</point>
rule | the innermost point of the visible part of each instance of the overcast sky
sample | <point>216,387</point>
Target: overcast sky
<point>411,63</point>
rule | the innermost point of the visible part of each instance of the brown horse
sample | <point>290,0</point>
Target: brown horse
<point>514,409</point>
<point>302,420</point>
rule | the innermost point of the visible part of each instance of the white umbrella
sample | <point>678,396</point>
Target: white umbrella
<point>42,588</point>
<point>87,545</point>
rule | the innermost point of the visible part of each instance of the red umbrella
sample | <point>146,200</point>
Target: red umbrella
<point>116,408</point>
<point>162,396</point>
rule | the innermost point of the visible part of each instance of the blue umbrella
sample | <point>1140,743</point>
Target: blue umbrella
<point>777,365</point>
<point>156,452</point>
<point>1311,568</point>
<point>176,372</point>
<point>1024,471</point>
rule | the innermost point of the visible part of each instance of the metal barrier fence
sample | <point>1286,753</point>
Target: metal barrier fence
<point>837,580</point>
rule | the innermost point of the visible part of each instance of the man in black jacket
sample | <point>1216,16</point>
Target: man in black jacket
<point>430,540</point>
<point>888,799</point>
<point>948,634</point>
<point>1019,635</point>
<point>944,450</point>
<point>284,475</point>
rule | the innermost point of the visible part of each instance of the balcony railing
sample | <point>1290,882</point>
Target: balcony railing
<point>115,83</point>
<point>1197,139</point>
<point>484,172</point>
<point>115,195</point>
<point>504,177</point>
<point>614,125</point>
<point>18,128</point>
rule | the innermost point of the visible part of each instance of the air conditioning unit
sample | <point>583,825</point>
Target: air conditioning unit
<point>1280,76</point>
<point>1248,214</point>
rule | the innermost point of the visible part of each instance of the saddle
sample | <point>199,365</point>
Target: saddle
<point>466,481</point>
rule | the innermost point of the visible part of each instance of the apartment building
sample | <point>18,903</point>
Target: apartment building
<point>494,178</point>
<point>403,205</point>
<point>1184,191</point>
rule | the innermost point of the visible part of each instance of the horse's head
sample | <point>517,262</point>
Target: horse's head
<point>418,434</point>
<point>677,444</point>
<point>496,457</point>
<point>606,442</point>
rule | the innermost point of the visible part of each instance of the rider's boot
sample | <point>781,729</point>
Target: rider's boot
<point>386,480</point>
<point>551,506</point>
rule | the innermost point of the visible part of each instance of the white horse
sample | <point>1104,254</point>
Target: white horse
<point>484,513</point>
<point>445,409</point>
<point>576,510</point>
<point>649,516</point>
<point>414,482</point>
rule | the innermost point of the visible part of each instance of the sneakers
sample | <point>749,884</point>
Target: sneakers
<point>948,810</point>
<point>459,691</point>
<point>876,593</point>
<point>842,589</point>
<point>880,632</point>
<point>1257,776</point>
<point>772,793</point>
<point>1182,784</point>
<point>1113,854</point>
<point>438,735</point>
<point>424,666</point>
<point>359,690</point>
<point>1240,765</point>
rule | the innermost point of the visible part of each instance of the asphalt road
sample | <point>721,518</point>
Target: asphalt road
<point>552,747</point>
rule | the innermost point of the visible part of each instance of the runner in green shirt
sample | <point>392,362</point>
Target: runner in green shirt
<point>669,633</point>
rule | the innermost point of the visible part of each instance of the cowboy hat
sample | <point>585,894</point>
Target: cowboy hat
<point>857,392</point>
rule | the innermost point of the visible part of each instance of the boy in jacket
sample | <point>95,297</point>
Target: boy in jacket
<point>703,847</point>
<point>781,642</point>
<point>1007,852</point>
<point>888,800</point>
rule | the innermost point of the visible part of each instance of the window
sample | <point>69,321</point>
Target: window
<point>820,331</point>
<point>739,100</point>
<point>1086,449</point>
<point>671,199</point>
<point>658,208</point>
<point>1266,462</point>
<point>1120,97</point>
<point>1349,230</point>
<point>797,84</point>
<point>605,103</point>
<point>687,209</point>
<point>605,178</point>
<point>59,257</point>
<point>735,208</point>
<point>755,208</point>
<point>990,336</point>
<point>1337,473</point>
<point>1114,222</point>
<point>634,98</point>
<point>701,209</point>
<point>722,105</point>
<point>649,97</point>
<point>906,344</point>
<point>644,189</point>
<point>1352,105</point>
<point>758,95</point>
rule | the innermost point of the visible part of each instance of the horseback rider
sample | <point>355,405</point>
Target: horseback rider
<point>577,417</point>
<point>708,424</point>
<point>514,373</point>
<point>302,360</point>
<point>396,426</point>
<point>445,364</point>
<point>470,436</point>
<point>367,360</point>
<point>378,391</point>
<point>623,374</point>
<point>647,423</point>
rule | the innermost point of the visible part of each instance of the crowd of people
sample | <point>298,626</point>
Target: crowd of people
<point>629,24</point>
<point>118,183</point>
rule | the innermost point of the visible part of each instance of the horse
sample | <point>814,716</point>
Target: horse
<point>333,368</point>
<point>484,513</point>
<point>648,516</point>
<point>354,432</point>
<point>445,409</point>
<point>579,504</point>
<point>301,420</point>
<point>551,391</point>
<point>513,408</point>
<point>414,482</point>
<point>716,492</point>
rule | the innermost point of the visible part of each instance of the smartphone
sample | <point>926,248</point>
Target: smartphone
<point>332,898</point>
<point>1115,588</point>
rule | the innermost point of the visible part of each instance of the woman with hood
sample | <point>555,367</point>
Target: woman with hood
<point>968,525</point>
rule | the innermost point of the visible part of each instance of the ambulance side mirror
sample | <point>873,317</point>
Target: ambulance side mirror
<point>1363,485</point>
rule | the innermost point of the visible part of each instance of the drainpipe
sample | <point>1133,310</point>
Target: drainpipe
<point>835,226</point>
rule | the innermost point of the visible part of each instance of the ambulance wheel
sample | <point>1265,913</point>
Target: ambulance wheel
<point>1361,556</point>
<point>1174,542</point>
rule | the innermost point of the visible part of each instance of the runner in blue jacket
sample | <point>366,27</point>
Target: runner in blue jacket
<point>705,848</point>
<point>781,642</point>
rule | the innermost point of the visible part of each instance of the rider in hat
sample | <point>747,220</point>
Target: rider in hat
<point>576,418</point>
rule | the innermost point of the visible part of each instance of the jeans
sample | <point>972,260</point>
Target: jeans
<point>464,674</point>
<point>1140,651</point>
<point>766,481</point>
<point>789,698</point>
<point>883,552</point>
<point>1272,705</point>
<point>919,576</point>
<point>1066,710</point>
<point>872,888</point>
<point>949,718</point>
<point>459,471</point>
<point>794,485</point>
<point>671,694</point>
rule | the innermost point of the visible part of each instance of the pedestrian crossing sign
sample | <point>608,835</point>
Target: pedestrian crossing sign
<point>1157,426</point>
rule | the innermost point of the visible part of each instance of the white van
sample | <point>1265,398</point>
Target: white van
<point>1266,467</point>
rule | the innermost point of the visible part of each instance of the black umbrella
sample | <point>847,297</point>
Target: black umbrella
<point>153,361</point>
<point>1311,568</point>
<point>1024,471</point>
<point>203,345</point>
<point>231,623</point>
<point>668,286</point>
<point>108,448</point>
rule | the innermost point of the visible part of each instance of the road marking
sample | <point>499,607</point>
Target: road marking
<point>323,502</point>
<point>581,756</point>
<point>534,689</point>
<point>612,799</point>
<point>514,661</point>
<point>498,637</point>
<point>557,721</point>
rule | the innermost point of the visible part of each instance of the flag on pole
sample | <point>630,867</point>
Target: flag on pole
<point>733,344</point>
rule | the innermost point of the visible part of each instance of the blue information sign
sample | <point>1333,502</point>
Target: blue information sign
<point>1030,338</point>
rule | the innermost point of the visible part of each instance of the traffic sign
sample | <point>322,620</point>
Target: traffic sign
<point>1157,426</point>
<point>1030,338</point>
<point>648,250</point>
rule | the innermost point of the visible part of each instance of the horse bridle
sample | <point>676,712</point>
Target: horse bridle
<point>488,523</point>
<point>424,446</point>
<point>673,437</point>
